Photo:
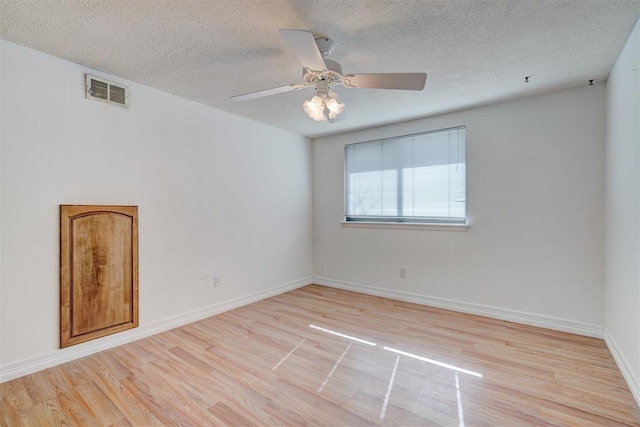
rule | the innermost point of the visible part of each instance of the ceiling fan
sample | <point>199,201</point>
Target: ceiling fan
<point>322,74</point>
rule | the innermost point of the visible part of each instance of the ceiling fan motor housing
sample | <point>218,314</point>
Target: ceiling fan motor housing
<point>333,73</point>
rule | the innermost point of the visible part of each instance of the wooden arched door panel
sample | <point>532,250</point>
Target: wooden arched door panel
<point>98,271</point>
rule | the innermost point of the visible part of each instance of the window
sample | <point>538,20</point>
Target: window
<point>413,178</point>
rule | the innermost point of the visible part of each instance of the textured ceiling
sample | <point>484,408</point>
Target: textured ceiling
<point>475,52</point>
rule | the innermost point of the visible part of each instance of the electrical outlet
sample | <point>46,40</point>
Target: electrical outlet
<point>403,272</point>
<point>216,281</point>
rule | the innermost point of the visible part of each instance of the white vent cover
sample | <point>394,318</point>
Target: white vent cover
<point>106,91</point>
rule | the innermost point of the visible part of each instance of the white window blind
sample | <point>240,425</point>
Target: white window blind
<point>414,178</point>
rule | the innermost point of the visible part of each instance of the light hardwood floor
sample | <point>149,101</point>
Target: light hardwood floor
<point>321,356</point>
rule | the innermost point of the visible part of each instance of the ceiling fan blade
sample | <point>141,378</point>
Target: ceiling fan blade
<point>304,46</point>
<point>405,81</point>
<point>267,92</point>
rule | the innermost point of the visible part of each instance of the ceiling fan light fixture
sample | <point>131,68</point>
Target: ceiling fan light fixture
<point>333,104</point>
<point>324,105</point>
<point>314,108</point>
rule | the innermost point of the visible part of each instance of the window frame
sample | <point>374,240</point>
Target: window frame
<point>404,221</point>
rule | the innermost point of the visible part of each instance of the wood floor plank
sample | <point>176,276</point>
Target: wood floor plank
<point>14,395</point>
<point>45,414</point>
<point>76,409</point>
<point>161,409</point>
<point>227,416</point>
<point>327,357</point>
<point>174,393</point>
<point>99,402</point>
<point>133,410</point>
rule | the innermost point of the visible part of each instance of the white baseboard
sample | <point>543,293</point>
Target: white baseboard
<point>57,357</point>
<point>623,365</point>
<point>532,319</point>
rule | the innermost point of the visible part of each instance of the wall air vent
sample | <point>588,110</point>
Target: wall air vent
<point>106,91</point>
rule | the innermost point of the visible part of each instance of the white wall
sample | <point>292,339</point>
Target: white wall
<point>217,195</point>
<point>622,296</point>
<point>534,251</point>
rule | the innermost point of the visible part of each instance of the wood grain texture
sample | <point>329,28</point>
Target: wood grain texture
<point>98,271</point>
<point>326,357</point>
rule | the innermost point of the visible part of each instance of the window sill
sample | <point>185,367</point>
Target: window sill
<point>407,225</point>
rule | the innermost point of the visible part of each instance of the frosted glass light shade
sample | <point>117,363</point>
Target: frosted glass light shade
<point>323,106</point>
